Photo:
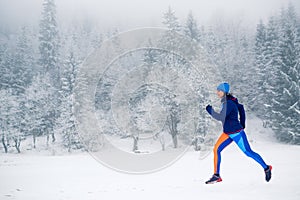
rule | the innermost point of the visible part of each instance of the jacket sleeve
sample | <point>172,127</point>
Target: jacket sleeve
<point>226,109</point>
<point>242,115</point>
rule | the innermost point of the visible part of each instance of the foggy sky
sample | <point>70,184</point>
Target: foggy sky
<point>139,13</point>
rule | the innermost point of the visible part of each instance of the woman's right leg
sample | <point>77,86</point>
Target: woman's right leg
<point>242,141</point>
<point>223,141</point>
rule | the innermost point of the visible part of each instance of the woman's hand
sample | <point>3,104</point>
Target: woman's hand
<point>209,108</point>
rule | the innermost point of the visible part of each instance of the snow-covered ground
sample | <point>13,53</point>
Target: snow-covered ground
<point>28,176</point>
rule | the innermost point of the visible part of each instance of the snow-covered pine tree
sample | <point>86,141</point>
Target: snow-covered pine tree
<point>173,43</point>
<point>16,71</point>
<point>170,40</point>
<point>17,61</point>
<point>49,42</point>
<point>81,38</point>
<point>5,113</point>
<point>40,106</point>
<point>65,124</point>
<point>271,71</point>
<point>151,55</point>
<point>10,120</point>
<point>192,35</point>
<point>191,28</point>
<point>78,42</point>
<point>6,68</point>
<point>83,113</point>
<point>3,48</point>
<point>116,41</point>
<point>96,40</point>
<point>24,64</point>
<point>286,111</point>
<point>245,71</point>
<point>216,45</point>
<point>209,42</point>
<point>260,70</point>
<point>49,61</point>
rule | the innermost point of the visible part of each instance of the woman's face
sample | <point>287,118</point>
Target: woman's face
<point>220,94</point>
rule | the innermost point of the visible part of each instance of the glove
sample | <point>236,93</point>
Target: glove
<point>209,109</point>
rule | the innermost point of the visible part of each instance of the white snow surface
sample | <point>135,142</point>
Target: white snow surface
<point>29,176</point>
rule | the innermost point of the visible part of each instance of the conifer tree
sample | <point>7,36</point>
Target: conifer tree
<point>170,38</point>
<point>24,64</point>
<point>49,42</point>
<point>260,62</point>
<point>65,124</point>
<point>285,112</point>
<point>191,28</point>
<point>192,36</point>
<point>49,62</point>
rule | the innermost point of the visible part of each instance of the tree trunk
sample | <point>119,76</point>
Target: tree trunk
<point>47,140</point>
<point>135,143</point>
<point>17,144</point>
<point>162,142</point>
<point>4,144</point>
<point>69,142</point>
<point>175,141</point>
<point>53,136</point>
<point>34,140</point>
<point>173,129</point>
<point>48,137</point>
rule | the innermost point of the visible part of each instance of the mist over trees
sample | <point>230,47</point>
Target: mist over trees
<point>38,71</point>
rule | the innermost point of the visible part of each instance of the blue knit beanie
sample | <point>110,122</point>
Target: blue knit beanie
<point>224,87</point>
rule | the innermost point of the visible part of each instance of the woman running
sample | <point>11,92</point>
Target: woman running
<point>233,130</point>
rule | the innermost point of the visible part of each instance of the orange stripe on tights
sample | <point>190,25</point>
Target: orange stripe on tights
<point>221,139</point>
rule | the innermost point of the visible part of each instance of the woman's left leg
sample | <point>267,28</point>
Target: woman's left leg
<point>241,140</point>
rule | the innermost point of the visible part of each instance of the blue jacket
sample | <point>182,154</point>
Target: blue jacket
<point>229,115</point>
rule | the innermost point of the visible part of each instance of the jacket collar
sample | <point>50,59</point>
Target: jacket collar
<point>229,97</point>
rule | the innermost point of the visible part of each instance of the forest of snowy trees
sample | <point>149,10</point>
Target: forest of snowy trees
<point>38,70</point>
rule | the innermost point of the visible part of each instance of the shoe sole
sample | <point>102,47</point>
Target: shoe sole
<point>213,182</point>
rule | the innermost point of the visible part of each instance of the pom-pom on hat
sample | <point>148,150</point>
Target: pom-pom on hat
<point>224,87</point>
